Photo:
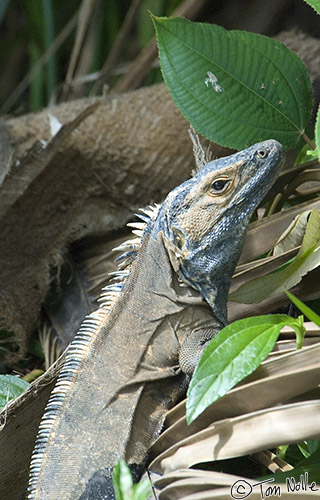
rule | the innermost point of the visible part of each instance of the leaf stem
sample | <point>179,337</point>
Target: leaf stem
<point>308,141</point>
<point>299,330</point>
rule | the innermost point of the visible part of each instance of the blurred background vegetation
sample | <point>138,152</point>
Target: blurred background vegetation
<point>57,50</point>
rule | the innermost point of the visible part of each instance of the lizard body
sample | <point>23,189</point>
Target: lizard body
<point>132,358</point>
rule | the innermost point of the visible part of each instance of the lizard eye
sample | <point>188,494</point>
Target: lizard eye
<point>220,185</point>
<point>262,153</point>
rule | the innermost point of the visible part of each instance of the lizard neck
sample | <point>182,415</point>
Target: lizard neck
<point>159,293</point>
<point>210,271</point>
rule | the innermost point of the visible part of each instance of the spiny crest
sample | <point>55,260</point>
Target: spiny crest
<point>129,251</point>
<point>79,346</point>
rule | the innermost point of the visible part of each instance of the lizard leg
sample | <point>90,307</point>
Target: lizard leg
<point>193,346</point>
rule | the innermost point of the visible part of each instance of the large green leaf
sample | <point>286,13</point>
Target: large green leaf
<point>11,387</point>
<point>234,353</point>
<point>315,4</point>
<point>236,88</point>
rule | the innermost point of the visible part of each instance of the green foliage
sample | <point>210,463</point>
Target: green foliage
<point>315,4</point>
<point>309,448</point>
<point>305,155</point>
<point>316,153</point>
<point>41,35</point>
<point>69,38</point>
<point>287,275</point>
<point>48,36</point>
<point>145,29</point>
<point>305,457</point>
<point>235,352</point>
<point>309,313</point>
<point>237,88</point>
<point>234,87</point>
<point>312,470</point>
<point>123,484</point>
<point>11,387</point>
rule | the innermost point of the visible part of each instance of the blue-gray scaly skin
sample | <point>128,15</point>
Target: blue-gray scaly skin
<point>131,362</point>
<point>209,225</point>
<point>210,230</point>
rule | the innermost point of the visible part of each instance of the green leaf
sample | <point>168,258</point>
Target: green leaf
<point>317,132</point>
<point>123,484</point>
<point>299,330</point>
<point>293,236</point>
<point>315,4</point>
<point>142,490</point>
<point>11,387</point>
<point>306,155</point>
<point>309,448</point>
<point>49,37</point>
<point>309,466</point>
<point>33,375</point>
<point>234,353</point>
<point>312,234</point>
<point>287,275</point>
<point>236,88</point>
<point>122,480</point>
<point>309,313</point>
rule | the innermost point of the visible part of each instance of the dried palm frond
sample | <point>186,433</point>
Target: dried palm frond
<point>78,284</point>
<point>278,404</point>
<point>194,484</point>
<point>278,380</point>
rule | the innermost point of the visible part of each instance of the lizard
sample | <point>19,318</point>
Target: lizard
<point>132,358</point>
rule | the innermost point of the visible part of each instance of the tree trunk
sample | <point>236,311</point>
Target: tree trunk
<point>89,179</point>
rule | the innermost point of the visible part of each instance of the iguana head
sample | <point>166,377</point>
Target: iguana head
<point>204,220</point>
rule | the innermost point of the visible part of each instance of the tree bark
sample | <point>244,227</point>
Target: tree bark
<point>129,151</point>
